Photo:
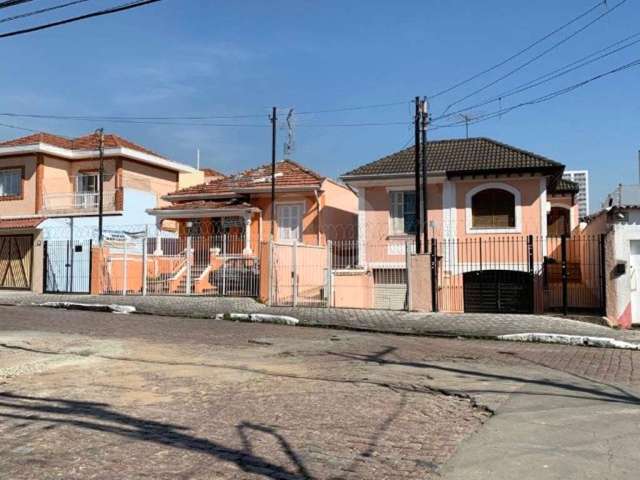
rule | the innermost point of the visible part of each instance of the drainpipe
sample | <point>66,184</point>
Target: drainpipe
<point>315,192</point>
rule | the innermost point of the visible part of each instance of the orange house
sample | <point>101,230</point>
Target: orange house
<point>309,208</point>
<point>47,176</point>
<point>44,177</point>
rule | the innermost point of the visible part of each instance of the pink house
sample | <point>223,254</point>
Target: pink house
<point>485,199</point>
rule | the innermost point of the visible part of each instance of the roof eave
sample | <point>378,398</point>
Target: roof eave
<point>126,152</point>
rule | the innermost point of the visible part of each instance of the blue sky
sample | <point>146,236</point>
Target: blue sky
<point>208,57</point>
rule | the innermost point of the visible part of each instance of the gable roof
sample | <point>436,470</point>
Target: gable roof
<point>289,175</point>
<point>86,146</point>
<point>458,157</point>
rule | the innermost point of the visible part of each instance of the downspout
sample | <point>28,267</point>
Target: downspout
<point>315,192</point>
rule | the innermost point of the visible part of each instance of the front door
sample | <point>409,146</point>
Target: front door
<point>634,281</point>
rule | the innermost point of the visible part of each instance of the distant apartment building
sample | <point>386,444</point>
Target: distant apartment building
<point>581,177</point>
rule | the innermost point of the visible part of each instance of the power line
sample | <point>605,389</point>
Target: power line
<point>520,52</point>
<point>537,57</point>
<point>16,127</point>
<point>99,13</point>
<point>13,3</point>
<point>42,10</point>
<point>546,97</point>
<point>196,124</point>
<point>552,75</point>
<point>349,109</point>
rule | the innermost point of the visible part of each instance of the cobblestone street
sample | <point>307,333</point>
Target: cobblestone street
<point>95,395</point>
<point>384,321</point>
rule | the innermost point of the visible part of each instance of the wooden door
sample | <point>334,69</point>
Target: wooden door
<point>16,256</point>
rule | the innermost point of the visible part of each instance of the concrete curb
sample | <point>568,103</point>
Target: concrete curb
<point>258,318</point>
<point>92,307</point>
<point>577,340</point>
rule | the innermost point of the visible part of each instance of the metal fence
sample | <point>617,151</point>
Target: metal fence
<point>334,275</point>
<point>194,265</point>
<point>170,265</point>
<point>519,274</point>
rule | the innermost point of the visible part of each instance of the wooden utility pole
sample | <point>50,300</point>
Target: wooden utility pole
<point>416,122</point>
<point>273,119</point>
<point>100,133</point>
<point>425,219</point>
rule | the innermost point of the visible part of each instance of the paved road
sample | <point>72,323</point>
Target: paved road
<point>467,325</point>
<point>105,396</point>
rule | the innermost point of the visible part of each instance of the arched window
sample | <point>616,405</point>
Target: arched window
<point>558,222</point>
<point>493,208</point>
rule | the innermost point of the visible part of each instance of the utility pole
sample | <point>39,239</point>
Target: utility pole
<point>100,133</point>
<point>466,119</point>
<point>273,119</point>
<point>416,122</point>
<point>425,122</point>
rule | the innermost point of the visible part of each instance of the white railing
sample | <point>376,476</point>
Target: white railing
<point>78,202</point>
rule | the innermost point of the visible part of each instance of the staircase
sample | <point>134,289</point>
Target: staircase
<point>196,273</point>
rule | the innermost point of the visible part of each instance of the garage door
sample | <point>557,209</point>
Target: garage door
<point>498,291</point>
<point>15,261</point>
<point>390,288</point>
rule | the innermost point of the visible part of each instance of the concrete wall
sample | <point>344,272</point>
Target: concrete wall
<point>339,212</point>
<point>352,289</point>
<point>420,283</point>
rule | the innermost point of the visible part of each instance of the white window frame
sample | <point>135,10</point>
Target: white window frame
<point>18,173</point>
<point>302,206</point>
<point>470,229</point>
<point>86,198</point>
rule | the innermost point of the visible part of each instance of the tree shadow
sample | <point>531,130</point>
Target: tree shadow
<point>91,415</point>
<point>622,396</point>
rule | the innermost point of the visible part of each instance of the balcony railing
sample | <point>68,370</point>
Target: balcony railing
<point>81,203</point>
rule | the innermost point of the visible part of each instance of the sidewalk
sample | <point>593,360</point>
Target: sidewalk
<point>384,321</point>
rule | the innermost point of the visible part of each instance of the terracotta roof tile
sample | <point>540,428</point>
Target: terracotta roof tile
<point>457,156</point>
<point>6,223</point>
<point>565,186</point>
<point>208,204</point>
<point>288,174</point>
<point>85,142</point>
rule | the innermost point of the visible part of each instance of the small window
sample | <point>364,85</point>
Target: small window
<point>558,222</point>
<point>290,221</point>
<point>493,208</point>
<point>87,183</point>
<point>403,213</point>
<point>11,183</point>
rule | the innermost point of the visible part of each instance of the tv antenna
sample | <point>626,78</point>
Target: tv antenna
<point>289,145</point>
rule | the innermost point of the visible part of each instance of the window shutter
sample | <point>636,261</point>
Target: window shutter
<point>397,212</point>
<point>493,208</point>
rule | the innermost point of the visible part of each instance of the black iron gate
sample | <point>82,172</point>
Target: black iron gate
<point>67,266</point>
<point>519,274</point>
<point>498,291</point>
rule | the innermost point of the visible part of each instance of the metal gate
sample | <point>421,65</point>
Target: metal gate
<point>16,258</point>
<point>498,291</point>
<point>520,274</point>
<point>67,266</point>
